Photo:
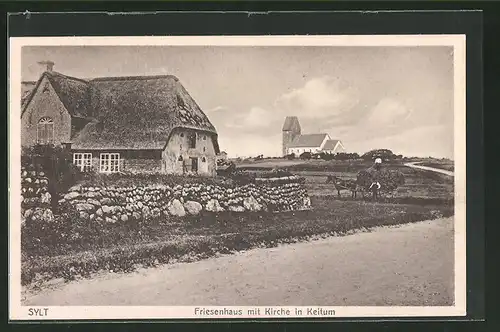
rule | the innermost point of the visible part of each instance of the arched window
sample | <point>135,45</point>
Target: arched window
<point>45,131</point>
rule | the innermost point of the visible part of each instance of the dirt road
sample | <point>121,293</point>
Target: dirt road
<point>407,265</point>
<point>427,168</point>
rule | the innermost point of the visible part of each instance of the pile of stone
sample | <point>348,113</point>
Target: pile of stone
<point>113,204</point>
<point>36,200</point>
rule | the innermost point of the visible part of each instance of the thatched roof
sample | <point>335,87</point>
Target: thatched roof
<point>26,90</point>
<point>138,112</point>
<point>308,140</point>
<point>73,93</point>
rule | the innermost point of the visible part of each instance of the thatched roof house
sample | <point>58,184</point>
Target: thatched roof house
<point>122,118</point>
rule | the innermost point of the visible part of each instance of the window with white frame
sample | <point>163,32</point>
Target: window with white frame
<point>109,162</point>
<point>45,131</point>
<point>83,161</point>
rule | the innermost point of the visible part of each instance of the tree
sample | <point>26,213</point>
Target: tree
<point>384,154</point>
<point>290,156</point>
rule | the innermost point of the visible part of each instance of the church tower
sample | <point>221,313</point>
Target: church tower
<point>291,130</point>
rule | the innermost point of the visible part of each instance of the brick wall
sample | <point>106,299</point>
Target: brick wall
<point>45,103</point>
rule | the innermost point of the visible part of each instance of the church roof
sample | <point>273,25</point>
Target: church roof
<point>308,140</point>
<point>291,123</point>
<point>331,144</point>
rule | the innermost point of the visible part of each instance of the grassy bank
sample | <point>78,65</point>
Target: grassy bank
<point>125,247</point>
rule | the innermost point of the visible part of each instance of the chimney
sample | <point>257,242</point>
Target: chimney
<point>49,65</point>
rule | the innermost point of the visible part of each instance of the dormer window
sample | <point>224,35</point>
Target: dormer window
<point>45,131</point>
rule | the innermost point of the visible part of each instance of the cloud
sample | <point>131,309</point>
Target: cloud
<point>320,97</point>
<point>255,118</point>
<point>424,141</point>
<point>387,117</point>
<point>326,99</point>
<point>216,109</point>
<point>388,112</point>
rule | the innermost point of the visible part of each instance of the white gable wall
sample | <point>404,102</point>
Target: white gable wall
<point>312,149</point>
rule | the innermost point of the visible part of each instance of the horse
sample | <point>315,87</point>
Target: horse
<point>341,184</point>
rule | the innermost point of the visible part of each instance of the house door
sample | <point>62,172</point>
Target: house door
<point>194,165</point>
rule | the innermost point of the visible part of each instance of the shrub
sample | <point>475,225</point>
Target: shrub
<point>56,163</point>
<point>384,154</point>
<point>290,156</point>
<point>137,179</point>
<point>346,156</point>
<point>225,167</point>
<point>327,156</point>
<point>305,156</point>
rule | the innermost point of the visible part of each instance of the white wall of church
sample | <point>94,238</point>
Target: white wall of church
<point>298,151</point>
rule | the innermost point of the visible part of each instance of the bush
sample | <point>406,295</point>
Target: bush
<point>346,156</point>
<point>384,154</point>
<point>137,179</point>
<point>290,156</point>
<point>57,165</point>
<point>225,167</point>
<point>306,156</point>
<point>327,156</point>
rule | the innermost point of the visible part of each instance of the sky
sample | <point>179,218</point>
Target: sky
<point>398,98</point>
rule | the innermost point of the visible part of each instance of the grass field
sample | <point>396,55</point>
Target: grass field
<point>124,246</point>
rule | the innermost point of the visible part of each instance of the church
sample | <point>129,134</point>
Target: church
<point>297,143</point>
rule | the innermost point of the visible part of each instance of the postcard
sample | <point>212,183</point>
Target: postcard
<point>240,177</point>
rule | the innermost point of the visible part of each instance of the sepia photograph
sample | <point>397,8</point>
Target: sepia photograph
<point>237,177</point>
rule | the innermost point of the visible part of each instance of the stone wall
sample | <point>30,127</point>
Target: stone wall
<point>36,201</point>
<point>113,204</point>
